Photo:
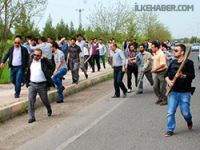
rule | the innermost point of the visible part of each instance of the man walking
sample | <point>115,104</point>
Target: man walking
<point>18,63</point>
<point>180,94</point>
<point>118,63</point>
<point>38,82</point>
<point>74,57</point>
<point>95,55</point>
<point>102,52</point>
<point>159,69</point>
<point>60,71</point>
<point>132,67</point>
<point>144,60</point>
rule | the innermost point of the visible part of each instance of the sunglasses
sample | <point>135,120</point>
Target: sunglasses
<point>36,55</point>
<point>17,42</point>
<point>176,50</point>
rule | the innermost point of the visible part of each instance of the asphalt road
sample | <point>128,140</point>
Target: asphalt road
<point>98,122</point>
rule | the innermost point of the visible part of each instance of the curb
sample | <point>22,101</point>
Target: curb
<point>21,107</point>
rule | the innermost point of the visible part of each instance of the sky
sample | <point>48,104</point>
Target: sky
<point>180,24</point>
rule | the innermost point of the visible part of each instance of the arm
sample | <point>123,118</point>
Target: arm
<point>5,58</point>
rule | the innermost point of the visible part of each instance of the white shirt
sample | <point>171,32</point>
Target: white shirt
<point>17,57</point>
<point>37,75</point>
<point>85,51</point>
<point>102,49</point>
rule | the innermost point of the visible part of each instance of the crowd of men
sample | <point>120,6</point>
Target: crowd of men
<point>42,63</point>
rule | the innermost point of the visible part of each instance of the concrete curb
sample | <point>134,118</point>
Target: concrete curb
<point>21,107</point>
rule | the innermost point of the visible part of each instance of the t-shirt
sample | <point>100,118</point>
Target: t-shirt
<point>60,57</point>
<point>74,52</point>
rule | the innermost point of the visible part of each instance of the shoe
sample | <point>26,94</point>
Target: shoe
<point>49,112</point>
<point>31,120</point>
<point>139,92</point>
<point>163,103</point>
<point>190,125</point>
<point>168,133</point>
<point>129,90</point>
<point>86,76</point>
<point>125,95</point>
<point>59,101</point>
<point>16,96</point>
<point>158,101</point>
<point>115,96</point>
<point>63,88</point>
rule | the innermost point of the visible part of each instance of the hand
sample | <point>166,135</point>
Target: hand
<point>153,71</point>
<point>170,83</point>
<point>180,75</point>
<point>54,73</point>
<point>1,66</point>
<point>123,69</point>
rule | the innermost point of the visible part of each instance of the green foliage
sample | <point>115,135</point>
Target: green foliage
<point>5,75</point>
<point>49,30</point>
<point>62,29</point>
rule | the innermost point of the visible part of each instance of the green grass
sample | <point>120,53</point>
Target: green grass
<point>5,75</point>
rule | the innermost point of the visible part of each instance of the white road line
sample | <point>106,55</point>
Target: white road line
<point>75,137</point>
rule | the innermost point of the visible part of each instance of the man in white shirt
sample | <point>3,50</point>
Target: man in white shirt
<point>38,82</point>
<point>102,52</point>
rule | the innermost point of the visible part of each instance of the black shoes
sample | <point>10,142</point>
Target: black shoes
<point>163,103</point>
<point>158,101</point>
<point>190,125</point>
<point>86,76</point>
<point>16,96</point>
<point>49,113</point>
<point>168,133</point>
<point>31,120</point>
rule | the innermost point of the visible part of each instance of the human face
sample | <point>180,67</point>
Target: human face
<point>113,47</point>
<point>17,42</point>
<point>37,55</point>
<point>79,38</point>
<point>131,48</point>
<point>154,49</point>
<point>141,49</point>
<point>178,52</point>
<point>73,42</point>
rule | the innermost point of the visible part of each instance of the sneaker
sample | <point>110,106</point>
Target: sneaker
<point>129,90</point>
<point>190,125</point>
<point>168,133</point>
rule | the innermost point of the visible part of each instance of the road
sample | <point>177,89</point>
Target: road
<point>92,120</point>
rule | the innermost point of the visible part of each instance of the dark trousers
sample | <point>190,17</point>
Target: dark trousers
<point>132,69</point>
<point>118,83</point>
<point>89,61</point>
<point>17,77</point>
<point>33,90</point>
<point>95,58</point>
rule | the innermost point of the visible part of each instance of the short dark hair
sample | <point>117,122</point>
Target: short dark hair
<point>142,45</point>
<point>18,36</point>
<point>164,45</point>
<point>182,46</point>
<point>115,45</point>
<point>73,38</point>
<point>79,35</point>
<point>55,44</point>
<point>28,37</point>
<point>156,44</point>
<point>43,39</point>
<point>131,45</point>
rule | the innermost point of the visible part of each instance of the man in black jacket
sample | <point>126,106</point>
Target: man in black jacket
<point>38,82</point>
<point>181,89</point>
<point>18,61</point>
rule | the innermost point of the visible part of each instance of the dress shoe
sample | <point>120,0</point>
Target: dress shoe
<point>31,120</point>
<point>115,96</point>
<point>49,113</point>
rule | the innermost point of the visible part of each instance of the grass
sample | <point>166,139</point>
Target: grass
<point>5,75</point>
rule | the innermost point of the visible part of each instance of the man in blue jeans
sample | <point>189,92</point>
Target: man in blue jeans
<point>60,71</point>
<point>18,62</point>
<point>181,89</point>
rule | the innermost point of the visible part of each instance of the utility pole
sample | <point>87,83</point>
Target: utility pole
<point>80,16</point>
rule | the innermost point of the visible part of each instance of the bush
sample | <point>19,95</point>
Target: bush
<point>5,75</point>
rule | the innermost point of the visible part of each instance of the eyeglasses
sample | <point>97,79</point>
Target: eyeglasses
<point>176,50</point>
<point>36,55</point>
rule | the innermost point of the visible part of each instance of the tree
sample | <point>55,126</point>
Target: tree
<point>49,30</point>
<point>9,14</point>
<point>72,30</point>
<point>62,29</point>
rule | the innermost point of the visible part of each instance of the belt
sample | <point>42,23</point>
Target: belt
<point>39,82</point>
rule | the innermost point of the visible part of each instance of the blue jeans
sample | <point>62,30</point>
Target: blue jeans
<point>183,100</point>
<point>58,81</point>
<point>17,76</point>
<point>102,58</point>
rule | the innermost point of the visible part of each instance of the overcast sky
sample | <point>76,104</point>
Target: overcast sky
<point>181,24</point>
